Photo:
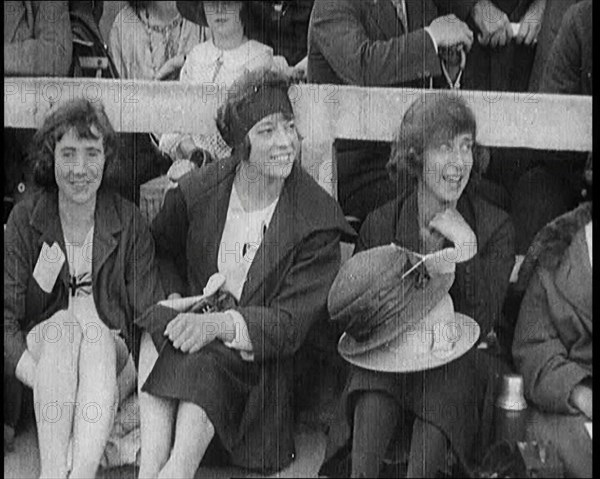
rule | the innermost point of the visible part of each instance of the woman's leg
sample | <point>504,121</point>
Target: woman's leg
<point>157,416</point>
<point>193,434</point>
<point>427,450</point>
<point>97,398</point>
<point>376,416</point>
<point>55,345</point>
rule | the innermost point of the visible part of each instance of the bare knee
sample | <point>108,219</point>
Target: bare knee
<point>98,347</point>
<point>58,337</point>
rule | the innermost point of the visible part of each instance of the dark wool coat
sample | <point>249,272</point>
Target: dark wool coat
<point>283,26</point>
<point>552,347</point>
<point>569,66</point>
<point>124,275</point>
<point>284,296</point>
<point>480,285</point>
<point>364,43</point>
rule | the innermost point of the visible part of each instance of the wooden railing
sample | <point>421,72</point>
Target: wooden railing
<point>324,113</point>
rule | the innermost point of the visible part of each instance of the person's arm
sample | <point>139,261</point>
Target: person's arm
<point>549,376</point>
<point>17,268</point>
<point>279,329</point>
<point>341,37</point>
<point>499,259</point>
<point>144,287</point>
<point>116,48</point>
<point>563,68</point>
<point>461,8</point>
<point>169,229</point>
<point>48,53</point>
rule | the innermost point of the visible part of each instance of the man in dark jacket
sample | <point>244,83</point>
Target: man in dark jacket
<point>555,185</point>
<point>376,43</point>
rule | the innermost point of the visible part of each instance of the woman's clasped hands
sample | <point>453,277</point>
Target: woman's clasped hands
<point>190,332</point>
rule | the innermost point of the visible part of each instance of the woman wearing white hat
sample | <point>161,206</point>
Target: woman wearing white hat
<point>436,380</point>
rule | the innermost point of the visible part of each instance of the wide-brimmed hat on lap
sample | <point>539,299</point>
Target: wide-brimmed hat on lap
<point>399,316</point>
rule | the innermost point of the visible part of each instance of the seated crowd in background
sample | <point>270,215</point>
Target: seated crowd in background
<point>386,191</point>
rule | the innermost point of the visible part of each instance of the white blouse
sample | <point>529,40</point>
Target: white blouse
<point>242,236</point>
<point>140,51</point>
<point>207,64</point>
<point>81,299</point>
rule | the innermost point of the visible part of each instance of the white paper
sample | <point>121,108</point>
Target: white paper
<point>48,266</point>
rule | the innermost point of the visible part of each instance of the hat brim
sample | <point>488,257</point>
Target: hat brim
<point>392,358</point>
<point>190,10</point>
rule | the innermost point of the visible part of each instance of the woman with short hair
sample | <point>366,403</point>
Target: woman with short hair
<point>218,62</point>
<point>78,266</point>
<point>226,378</point>
<point>435,148</point>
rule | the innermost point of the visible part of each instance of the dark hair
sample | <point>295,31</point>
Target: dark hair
<point>241,91</point>
<point>244,15</point>
<point>428,120</point>
<point>138,5</point>
<point>89,121</point>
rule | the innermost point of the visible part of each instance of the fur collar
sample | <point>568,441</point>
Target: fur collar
<point>551,242</point>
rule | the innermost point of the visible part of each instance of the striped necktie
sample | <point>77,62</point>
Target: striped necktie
<point>400,6</point>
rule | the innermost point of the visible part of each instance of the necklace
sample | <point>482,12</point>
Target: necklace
<point>168,41</point>
<point>218,66</point>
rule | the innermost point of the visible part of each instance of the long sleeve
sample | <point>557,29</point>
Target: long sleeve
<point>540,356</point>
<point>17,268</point>
<point>48,52</point>
<point>143,283</point>
<point>497,261</point>
<point>116,49</point>
<point>169,229</point>
<point>563,68</point>
<point>144,287</point>
<point>279,329</point>
<point>337,30</point>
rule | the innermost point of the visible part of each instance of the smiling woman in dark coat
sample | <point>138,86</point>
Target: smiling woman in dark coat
<point>434,146</point>
<point>261,221</point>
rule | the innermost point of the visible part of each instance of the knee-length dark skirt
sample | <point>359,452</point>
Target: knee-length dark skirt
<point>215,378</point>
<point>457,398</point>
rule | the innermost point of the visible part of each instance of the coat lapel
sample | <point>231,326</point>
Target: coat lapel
<point>107,226</point>
<point>211,202</point>
<point>284,232</point>
<point>46,220</point>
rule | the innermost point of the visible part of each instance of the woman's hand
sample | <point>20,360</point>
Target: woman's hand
<point>453,226</point>
<point>190,332</point>
<point>180,168</point>
<point>581,398</point>
<point>170,68</point>
<point>185,148</point>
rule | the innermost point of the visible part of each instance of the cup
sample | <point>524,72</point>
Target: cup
<point>511,396</point>
<point>511,414</point>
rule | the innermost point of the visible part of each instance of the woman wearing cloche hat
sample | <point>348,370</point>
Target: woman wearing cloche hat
<point>416,324</point>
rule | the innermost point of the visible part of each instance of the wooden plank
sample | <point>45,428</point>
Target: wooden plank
<point>504,119</point>
<point>324,113</point>
<point>562,122</point>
